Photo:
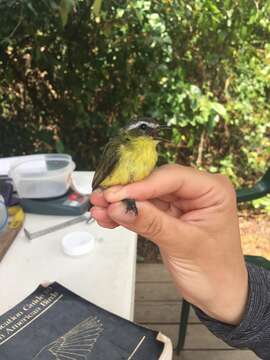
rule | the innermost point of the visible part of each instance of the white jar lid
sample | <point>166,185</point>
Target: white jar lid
<point>78,243</point>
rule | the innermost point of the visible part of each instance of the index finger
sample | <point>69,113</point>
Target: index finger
<point>184,182</point>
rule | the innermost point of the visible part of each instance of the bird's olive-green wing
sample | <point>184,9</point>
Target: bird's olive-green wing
<point>107,162</point>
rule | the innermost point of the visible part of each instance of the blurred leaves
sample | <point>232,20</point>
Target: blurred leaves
<point>263,204</point>
<point>96,7</point>
<point>72,73</point>
<point>65,9</point>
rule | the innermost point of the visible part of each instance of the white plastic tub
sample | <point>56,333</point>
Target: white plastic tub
<point>42,176</point>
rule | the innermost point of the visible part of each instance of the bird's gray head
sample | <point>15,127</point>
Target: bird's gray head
<point>143,127</point>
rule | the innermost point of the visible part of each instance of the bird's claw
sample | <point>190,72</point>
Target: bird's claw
<point>131,206</point>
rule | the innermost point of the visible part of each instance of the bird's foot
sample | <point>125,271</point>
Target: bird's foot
<point>131,206</point>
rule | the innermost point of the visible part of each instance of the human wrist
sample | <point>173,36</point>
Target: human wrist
<point>229,299</point>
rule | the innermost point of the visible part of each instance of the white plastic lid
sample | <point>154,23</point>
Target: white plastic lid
<point>42,166</point>
<point>78,243</point>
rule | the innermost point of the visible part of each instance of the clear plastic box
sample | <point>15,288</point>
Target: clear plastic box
<point>42,176</point>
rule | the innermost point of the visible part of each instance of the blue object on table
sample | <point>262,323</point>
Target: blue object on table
<point>7,191</point>
<point>69,204</point>
<point>3,214</point>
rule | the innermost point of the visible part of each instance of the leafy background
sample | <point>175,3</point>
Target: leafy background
<point>72,72</point>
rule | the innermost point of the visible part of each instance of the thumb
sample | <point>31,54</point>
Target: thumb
<point>150,222</point>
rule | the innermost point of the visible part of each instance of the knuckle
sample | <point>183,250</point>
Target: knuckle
<point>153,227</point>
<point>171,167</point>
<point>177,167</point>
<point>226,187</point>
<point>221,178</point>
<point>224,181</point>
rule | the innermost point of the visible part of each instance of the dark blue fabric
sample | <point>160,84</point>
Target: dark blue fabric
<point>254,330</point>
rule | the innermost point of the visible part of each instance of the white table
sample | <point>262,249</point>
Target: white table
<point>106,276</point>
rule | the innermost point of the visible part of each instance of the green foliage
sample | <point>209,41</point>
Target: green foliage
<point>65,9</point>
<point>73,72</point>
<point>263,204</point>
<point>97,7</point>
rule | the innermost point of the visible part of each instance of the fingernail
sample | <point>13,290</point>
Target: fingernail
<point>114,194</point>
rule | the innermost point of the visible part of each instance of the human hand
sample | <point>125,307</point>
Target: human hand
<point>192,217</point>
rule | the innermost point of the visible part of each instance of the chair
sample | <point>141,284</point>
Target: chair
<point>260,189</point>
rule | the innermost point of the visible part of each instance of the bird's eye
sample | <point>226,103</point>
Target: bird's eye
<point>143,126</point>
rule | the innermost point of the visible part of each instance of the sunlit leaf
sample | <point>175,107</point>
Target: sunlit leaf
<point>32,9</point>
<point>64,9</point>
<point>219,108</point>
<point>60,148</point>
<point>96,7</point>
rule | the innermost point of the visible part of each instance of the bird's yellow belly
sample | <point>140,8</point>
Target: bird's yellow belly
<point>136,161</point>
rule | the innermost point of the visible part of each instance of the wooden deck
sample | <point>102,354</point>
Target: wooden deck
<point>157,306</point>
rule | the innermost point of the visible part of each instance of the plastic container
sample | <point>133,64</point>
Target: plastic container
<point>42,176</point>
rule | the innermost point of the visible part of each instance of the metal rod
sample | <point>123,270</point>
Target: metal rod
<point>85,217</point>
